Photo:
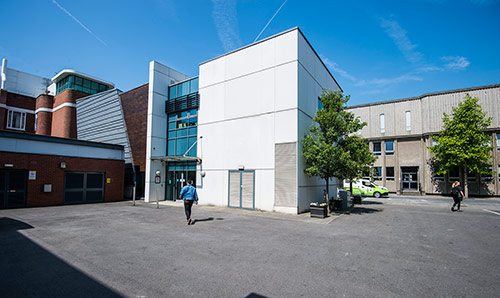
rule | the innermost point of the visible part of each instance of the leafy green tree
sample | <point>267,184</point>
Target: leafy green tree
<point>331,148</point>
<point>462,142</point>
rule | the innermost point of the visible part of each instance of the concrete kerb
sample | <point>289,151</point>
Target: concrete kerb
<point>302,217</point>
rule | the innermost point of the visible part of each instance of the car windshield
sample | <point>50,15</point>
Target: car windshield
<point>373,185</point>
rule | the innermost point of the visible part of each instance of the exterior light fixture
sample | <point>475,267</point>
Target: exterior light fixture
<point>62,165</point>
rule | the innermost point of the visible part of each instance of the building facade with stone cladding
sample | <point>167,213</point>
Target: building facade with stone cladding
<point>400,131</point>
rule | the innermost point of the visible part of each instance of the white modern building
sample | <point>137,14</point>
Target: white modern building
<point>236,129</point>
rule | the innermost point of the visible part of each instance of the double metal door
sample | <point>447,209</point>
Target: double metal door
<point>242,189</point>
<point>12,188</point>
<point>409,179</point>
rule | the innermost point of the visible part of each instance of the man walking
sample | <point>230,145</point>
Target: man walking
<point>189,195</point>
<point>458,195</point>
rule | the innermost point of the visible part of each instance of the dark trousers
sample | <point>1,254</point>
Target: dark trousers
<point>456,202</point>
<point>187,208</point>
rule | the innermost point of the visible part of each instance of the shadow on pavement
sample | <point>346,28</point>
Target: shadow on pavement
<point>363,210</point>
<point>29,270</point>
<point>205,219</point>
<point>254,295</point>
<point>371,203</point>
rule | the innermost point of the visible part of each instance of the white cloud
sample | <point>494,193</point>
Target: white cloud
<point>400,38</point>
<point>78,21</point>
<point>334,67</point>
<point>224,15</point>
<point>456,62</point>
<point>390,81</point>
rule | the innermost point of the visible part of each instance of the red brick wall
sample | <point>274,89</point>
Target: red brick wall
<point>48,172</point>
<point>135,110</point>
<point>44,124</point>
<point>18,101</point>
<point>64,119</point>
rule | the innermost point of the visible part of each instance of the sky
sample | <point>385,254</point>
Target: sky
<point>376,50</point>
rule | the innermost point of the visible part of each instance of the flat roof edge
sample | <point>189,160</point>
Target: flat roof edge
<point>425,95</point>
<point>66,72</point>
<point>51,139</point>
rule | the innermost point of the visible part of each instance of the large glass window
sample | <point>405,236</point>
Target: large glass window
<point>183,88</point>
<point>389,173</point>
<point>377,148</point>
<point>16,120</point>
<point>80,84</point>
<point>182,133</point>
<point>378,171</point>
<point>389,147</point>
<point>498,141</point>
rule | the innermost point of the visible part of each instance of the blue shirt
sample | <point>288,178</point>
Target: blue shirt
<point>188,192</point>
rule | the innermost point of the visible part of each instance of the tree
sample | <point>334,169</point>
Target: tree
<point>331,148</point>
<point>462,142</point>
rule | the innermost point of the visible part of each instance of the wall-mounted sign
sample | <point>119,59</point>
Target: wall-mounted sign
<point>32,175</point>
<point>108,180</point>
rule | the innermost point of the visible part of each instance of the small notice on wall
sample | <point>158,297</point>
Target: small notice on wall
<point>108,180</point>
<point>32,175</point>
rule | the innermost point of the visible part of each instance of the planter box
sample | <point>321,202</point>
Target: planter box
<point>319,211</point>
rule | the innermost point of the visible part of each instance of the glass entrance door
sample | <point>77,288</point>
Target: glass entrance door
<point>176,180</point>
<point>409,178</point>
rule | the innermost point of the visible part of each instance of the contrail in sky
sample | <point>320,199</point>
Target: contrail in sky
<point>270,21</point>
<point>79,23</point>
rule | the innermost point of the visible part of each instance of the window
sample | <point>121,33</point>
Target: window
<point>438,178</point>
<point>488,178</point>
<point>454,174</point>
<point>320,105</point>
<point>408,120</point>
<point>498,141</point>
<point>377,148</point>
<point>16,120</point>
<point>182,132</point>
<point>389,173</point>
<point>382,123</point>
<point>36,120</point>
<point>79,84</point>
<point>389,148</point>
<point>378,171</point>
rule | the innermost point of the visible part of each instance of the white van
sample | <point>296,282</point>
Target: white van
<point>365,187</point>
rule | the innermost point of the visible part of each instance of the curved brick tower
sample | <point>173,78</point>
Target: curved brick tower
<point>43,110</point>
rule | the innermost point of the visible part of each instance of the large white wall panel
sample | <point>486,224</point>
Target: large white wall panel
<point>246,141</point>
<point>250,95</point>
<point>285,84</point>
<point>213,188</point>
<point>212,103</point>
<point>286,126</point>
<point>286,47</point>
<point>261,55</point>
<point>264,190</point>
<point>212,72</point>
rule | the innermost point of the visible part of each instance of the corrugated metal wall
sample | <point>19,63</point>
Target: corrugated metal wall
<point>100,119</point>
<point>285,177</point>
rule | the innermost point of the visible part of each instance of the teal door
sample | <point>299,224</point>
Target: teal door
<point>242,189</point>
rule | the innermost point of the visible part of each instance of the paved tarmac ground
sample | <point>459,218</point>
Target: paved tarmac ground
<point>400,247</point>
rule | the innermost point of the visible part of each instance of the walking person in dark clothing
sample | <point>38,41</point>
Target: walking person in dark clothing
<point>189,195</point>
<point>458,195</point>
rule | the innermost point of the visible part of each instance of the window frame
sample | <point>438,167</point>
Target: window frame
<point>377,153</point>
<point>382,123</point>
<point>408,120</point>
<point>10,118</point>
<point>387,152</point>
<point>390,178</point>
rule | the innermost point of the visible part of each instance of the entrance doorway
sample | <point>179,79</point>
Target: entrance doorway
<point>176,180</point>
<point>242,189</point>
<point>12,188</point>
<point>409,178</point>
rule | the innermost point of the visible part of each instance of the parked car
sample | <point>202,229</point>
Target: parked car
<point>366,188</point>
